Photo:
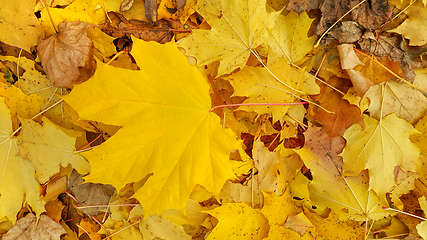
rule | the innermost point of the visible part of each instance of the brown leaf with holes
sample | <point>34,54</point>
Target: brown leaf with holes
<point>345,115</point>
<point>66,56</point>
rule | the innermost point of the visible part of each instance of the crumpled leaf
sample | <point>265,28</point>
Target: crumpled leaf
<point>414,27</point>
<point>17,183</point>
<point>287,85</point>
<point>349,197</point>
<point>29,228</point>
<point>369,15</point>
<point>47,146</point>
<point>300,6</point>
<point>278,208</point>
<point>274,171</point>
<point>289,36</point>
<point>238,27</point>
<point>392,97</point>
<point>89,193</point>
<point>379,147</point>
<point>178,137</point>
<point>238,221</point>
<point>19,25</point>
<point>422,227</point>
<point>65,54</point>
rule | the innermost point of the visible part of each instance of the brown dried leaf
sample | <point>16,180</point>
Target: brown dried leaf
<point>345,115</point>
<point>126,5</point>
<point>89,193</point>
<point>151,10</point>
<point>65,54</point>
<point>121,27</point>
<point>29,229</point>
<point>300,6</point>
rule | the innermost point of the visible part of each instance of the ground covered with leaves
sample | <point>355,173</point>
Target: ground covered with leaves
<point>204,119</point>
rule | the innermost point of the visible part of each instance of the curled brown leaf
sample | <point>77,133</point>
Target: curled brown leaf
<point>66,56</point>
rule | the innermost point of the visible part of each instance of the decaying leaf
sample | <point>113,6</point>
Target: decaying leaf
<point>65,55</point>
<point>300,6</point>
<point>349,197</point>
<point>347,32</point>
<point>151,10</point>
<point>89,193</point>
<point>31,229</point>
<point>121,27</point>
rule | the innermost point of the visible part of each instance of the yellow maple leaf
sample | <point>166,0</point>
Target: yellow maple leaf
<point>47,146</point>
<point>278,208</point>
<point>20,104</point>
<point>238,27</point>
<point>238,221</point>
<point>380,147</point>
<point>289,36</point>
<point>349,197</point>
<point>17,183</point>
<point>280,83</point>
<point>167,128</point>
<point>414,27</point>
<point>18,24</point>
<point>390,97</point>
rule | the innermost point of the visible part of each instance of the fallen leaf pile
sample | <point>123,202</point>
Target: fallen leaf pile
<point>202,119</point>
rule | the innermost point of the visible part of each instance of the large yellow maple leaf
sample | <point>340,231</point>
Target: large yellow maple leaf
<point>238,27</point>
<point>17,183</point>
<point>380,147</point>
<point>167,129</point>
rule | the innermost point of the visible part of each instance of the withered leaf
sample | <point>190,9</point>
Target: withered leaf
<point>67,54</point>
<point>300,6</point>
<point>89,193</point>
<point>121,27</point>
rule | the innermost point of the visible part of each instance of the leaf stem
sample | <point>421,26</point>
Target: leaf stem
<point>256,104</point>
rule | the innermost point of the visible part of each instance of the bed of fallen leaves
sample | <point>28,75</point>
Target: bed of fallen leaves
<point>252,119</point>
